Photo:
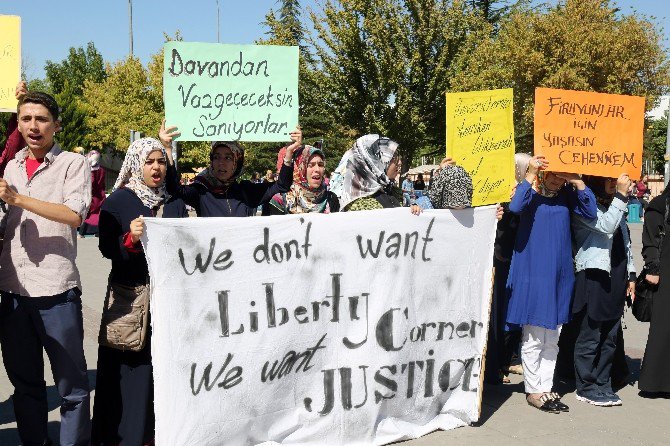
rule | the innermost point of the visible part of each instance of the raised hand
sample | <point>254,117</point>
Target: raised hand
<point>296,137</point>
<point>166,135</point>
<point>136,229</point>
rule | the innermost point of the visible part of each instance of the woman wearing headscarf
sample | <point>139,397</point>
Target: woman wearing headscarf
<point>90,225</point>
<point>216,191</point>
<point>308,192</point>
<point>655,372</point>
<point>364,179</point>
<point>541,276</point>
<point>450,188</point>
<point>605,274</point>
<point>123,407</point>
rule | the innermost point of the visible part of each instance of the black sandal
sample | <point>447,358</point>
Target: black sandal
<point>544,403</point>
<point>560,405</point>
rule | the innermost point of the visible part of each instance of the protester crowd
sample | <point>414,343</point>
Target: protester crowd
<point>562,256</point>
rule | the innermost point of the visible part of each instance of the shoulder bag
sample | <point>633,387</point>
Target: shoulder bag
<point>125,317</point>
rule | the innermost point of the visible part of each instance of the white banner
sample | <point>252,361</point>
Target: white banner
<point>358,328</point>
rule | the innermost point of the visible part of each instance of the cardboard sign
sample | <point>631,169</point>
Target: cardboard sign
<point>480,138</point>
<point>589,133</point>
<point>10,61</point>
<point>354,328</point>
<point>217,92</point>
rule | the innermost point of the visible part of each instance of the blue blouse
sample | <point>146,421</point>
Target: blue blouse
<point>541,277</point>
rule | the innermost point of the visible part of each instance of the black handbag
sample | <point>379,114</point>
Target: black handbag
<point>644,298</point>
<point>644,291</point>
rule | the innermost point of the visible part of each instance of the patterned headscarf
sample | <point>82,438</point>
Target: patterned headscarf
<point>302,198</point>
<point>131,175</point>
<point>362,170</point>
<point>451,188</point>
<point>207,177</point>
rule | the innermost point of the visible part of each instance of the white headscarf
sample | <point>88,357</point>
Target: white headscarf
<point>131,175</point>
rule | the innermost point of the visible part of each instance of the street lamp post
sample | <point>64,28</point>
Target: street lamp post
<point>218,23</point>
<point>130,25</point>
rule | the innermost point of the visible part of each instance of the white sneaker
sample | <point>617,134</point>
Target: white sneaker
<point>600,400</point>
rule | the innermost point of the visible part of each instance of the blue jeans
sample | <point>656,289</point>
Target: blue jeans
<point>29,325</point>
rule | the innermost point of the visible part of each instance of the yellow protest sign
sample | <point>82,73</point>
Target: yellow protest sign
<point>10,60</point>
<point>480,138</point>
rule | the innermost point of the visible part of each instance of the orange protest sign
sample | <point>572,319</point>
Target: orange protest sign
<point>589,133</point>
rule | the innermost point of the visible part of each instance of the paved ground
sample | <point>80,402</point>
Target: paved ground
<point>506,418</point>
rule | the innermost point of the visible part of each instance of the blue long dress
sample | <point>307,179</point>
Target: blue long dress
<point>541,276</point>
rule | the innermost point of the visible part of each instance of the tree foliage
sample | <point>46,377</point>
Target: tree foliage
<point>127,99</point>
<point>655,137</point>
<point>79,66</point>
<point>577,44</point>
<point>388,64</point>
<point>73,117</point>
<point>318,123</point>
<point>65,80</point>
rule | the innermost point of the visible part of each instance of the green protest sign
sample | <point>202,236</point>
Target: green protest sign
<point>216,92</point>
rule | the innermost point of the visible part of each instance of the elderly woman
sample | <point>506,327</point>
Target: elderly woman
<point>541,276</point>
<point>308,192</point>
<point>364,179</point>
<point>123,408</point>
<point>216,191</point>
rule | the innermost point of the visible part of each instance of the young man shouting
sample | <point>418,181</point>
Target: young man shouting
<point>47,192</point>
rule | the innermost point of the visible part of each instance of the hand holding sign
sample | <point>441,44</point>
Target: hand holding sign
<point>296,137</point>
<point>573,179</point>
<point>167,135</point>
<point>136,229</point>
<point>536,164</point>
<point>21,90</point>
<point>623,184</point>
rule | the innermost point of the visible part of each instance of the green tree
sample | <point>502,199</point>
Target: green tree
<point>65,80</point>
<point>318,123</point>
<point>494,10</point>
<point>577,44</point>
<point>79,66</point>
<point>655,137</point>
<point>125,100</point>
<point>73,117</point>
<point>388,64</point>
<point>131,98</point>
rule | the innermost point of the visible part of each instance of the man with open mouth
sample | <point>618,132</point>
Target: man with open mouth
<point>48,192</point>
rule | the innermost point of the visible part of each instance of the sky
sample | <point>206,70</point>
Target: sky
<point>50,28</point>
